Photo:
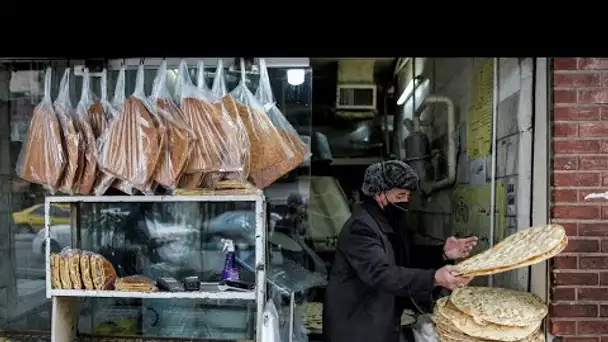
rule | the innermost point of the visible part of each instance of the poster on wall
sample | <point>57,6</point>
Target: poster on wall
<point>471,212</point>
<point>479,122</point>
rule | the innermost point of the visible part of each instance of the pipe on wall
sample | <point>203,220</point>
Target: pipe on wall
<point>495,101</point>
<point>451,151</point>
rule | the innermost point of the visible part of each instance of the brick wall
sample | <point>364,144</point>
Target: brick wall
<point>579,296</point>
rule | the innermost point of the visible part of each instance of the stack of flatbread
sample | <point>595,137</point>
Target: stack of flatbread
<point>485,314</point>
<point>524,248</point>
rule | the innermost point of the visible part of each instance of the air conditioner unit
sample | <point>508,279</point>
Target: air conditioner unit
<point>356,97</point>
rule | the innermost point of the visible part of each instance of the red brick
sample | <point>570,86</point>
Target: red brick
<point>565,130</point>
<point>603,113</point>
<point>578,79</point>
<point>576,212</point>
<point>604,310</point>
<point>593,63</point>
<point>563,293</point>
<point>576,146</point>
<point>564,96</point>
<point>592,96</point>
<point>562,327</point>
<point>593,129</point>
<point>576,179</point>
<point>604,278</point>
<point>593,163</point>
<point>575,278</point>
<point>570,227</point>
<point>604,245</point>
<point>561,195</point>
<point>592,327</point>
<point>576,113</point>
<point>565,262</point>
<point>565,63</point>
<point>592,293</point>
<point>574,310</point>
<point>593,262</point>
<point>593,229</point>
<point>604,212</point>
<point>568,163</point>
<point>580,339</point>
<point>582,246</point>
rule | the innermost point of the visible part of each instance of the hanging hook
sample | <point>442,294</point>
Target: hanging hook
<point>124,62</point>
<point>141,61</point>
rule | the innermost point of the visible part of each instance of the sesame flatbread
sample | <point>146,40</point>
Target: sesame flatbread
<point>529,246</point>
<point>494,305</point>
<point>465,324</point>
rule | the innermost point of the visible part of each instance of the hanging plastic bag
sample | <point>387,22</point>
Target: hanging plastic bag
<point>180,139</point>
<point>270,323</point>
<point>300,151</point>
<point>71,137</point>
<point>424,329</point>
<point>42,158</point>
<point>89,165</point>
<point>212,127</point>
<point>226,103</point>
<point>133,143</point>
<point>267,147</point>
<point>102,114</point>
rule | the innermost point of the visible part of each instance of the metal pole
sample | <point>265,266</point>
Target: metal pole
<point>495,101</point>
<point>292,300</point>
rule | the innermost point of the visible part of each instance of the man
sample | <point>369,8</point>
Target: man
<point>377,269</point>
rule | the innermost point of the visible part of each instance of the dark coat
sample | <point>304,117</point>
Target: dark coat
<point>375,272</point>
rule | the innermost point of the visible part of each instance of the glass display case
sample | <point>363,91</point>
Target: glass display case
<point>159,237</point>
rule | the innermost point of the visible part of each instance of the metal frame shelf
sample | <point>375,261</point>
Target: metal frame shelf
<point>65,302</point>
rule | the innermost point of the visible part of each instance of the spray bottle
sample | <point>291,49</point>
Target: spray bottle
<point>230,272</point>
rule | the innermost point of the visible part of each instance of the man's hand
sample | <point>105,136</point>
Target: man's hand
<point>444,277</point>
<point>459,248</point>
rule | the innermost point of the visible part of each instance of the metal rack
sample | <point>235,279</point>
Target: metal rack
<point>65,302</point>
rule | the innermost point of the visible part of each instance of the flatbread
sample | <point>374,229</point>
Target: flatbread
<point>468,326</point>
<point>517,249</point>
<point>447,332</point>
<point>499,306</point>
<point>528,262</point>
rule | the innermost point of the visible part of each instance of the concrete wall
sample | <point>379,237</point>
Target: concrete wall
<point>453,77</point>
<point>580,160</point>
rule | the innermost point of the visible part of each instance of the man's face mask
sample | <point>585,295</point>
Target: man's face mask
<point>395,203</point>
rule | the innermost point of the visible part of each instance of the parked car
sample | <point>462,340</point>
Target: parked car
<point>33,217</point>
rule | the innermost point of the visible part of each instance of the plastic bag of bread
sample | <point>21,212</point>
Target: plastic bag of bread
<point>42,158</point>
<point>73,259</point>
<point>102,272</point>
<point>180,140</point>
<point>72,138</point>
<point>132,146</point>
<point>89,165</point>
<point>64,269</point>
<point>225,102</point>
<point>85,270</point>
<point>138,283</point>
<point>267,145</point>
<point>213,127</point>
<point>56,270</point>
<point>300,152</point>
<point>102,113</point>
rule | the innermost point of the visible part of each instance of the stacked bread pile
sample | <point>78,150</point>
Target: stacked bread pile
<point>473,314</point>
<point>524,248</point>
<point>74,269</point>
